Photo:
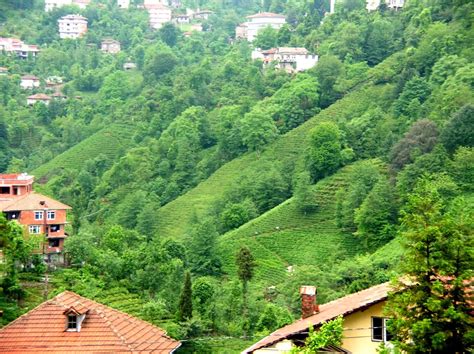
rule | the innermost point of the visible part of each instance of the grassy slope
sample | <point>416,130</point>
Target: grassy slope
<point>109,141</point>
<point>175,218</point>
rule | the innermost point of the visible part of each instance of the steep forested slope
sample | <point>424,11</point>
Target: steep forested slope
<point>174,166</point>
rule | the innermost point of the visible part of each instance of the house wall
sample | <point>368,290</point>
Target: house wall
<point>357,335</point>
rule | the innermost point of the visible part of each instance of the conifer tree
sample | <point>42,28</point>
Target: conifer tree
<point>431,313</point>
<point>185,306</point>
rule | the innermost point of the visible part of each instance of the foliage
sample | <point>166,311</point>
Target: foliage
<point>185,305</point>
<point>431,312</point>
<point>329,334</point>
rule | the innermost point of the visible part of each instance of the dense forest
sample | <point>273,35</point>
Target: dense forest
<point>206,188</point>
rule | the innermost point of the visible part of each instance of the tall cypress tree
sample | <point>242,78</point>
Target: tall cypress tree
<point>185,307</point>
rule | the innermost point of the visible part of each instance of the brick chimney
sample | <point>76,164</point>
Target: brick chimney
<point>309,306</point>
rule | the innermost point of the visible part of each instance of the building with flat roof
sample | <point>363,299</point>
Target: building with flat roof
<point>72,26</point>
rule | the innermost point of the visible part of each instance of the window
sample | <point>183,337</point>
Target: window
<point>34,229</point>
<point>54,243</point>
<point>71,322</point>
<point>379,330</point>
<point>51,215</point>
<point>39,215</point>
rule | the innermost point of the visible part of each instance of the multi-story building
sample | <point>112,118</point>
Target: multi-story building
<point>72,26</point>
<point>39,214</point>
<point>257,22</point>
<point>290,59</point>
<point>159,14</point>
<point>110,45</point>
<point>18,47</point>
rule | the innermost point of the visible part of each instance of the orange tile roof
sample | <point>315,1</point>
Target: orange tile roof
<point>103,330</point>
<point>343,306</point>
<point>31,201</point>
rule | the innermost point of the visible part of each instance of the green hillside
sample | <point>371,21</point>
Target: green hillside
<point>175,218</point>
<point>110,141</point>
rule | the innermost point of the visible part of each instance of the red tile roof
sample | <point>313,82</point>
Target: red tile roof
<point>343,306</point>
<point>103,330</point>
<point>32,201</point>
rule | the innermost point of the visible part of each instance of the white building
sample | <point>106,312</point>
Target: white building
<point>18,47</point>
<point>39,97</point>
<point>52,4</point>
<point>159,15</point>
<point>372,5</point>
<point>72,26</point>
<point>290,59</point>
<point>257,22</point>
<point>109,45</point>
<point>123,4</point>
<point>29,82</point>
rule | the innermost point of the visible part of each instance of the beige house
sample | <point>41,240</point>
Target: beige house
<point>39,97</point>
<point>290,59</point>
<point>159,14</point>
<point>256,23</point>
<point>109,45</point>
<point>72,26</point>
<point>364,324</point>
<point>29,82</point>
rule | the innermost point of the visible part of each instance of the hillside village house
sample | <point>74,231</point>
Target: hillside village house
<point>39,97</point>
<point>72,26</point>
<point>39,214</point>
<point>69,323</point>
<point>109,45</point>
<point>364,324</point>
<point>287,58</point>
<point>18,47</point>
<point>29,82</point>
<point>257,22</point>
<point>123,4</point>
<point>52,4</point>
<point>373,5</point>
<point>159,14</point>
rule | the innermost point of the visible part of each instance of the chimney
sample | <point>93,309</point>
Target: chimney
<point>309,306</point>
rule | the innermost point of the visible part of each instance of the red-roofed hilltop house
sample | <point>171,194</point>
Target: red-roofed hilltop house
<point>29,82</point>
<point>39,214</point>
<point>69,323</point>
<point>364,324</point>
<point>39,97</point>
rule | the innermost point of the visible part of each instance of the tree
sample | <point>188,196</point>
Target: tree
<point>330,334</point>
<point>420,139</point>
<point>257,129</point>
<point>459,130</point>
<point>169,34</point>
<point>185,305</point>
<point>245,270</point>
<point>324,153</point>
<point>376,217</point>
<point>432,313</point>
<point>202,249</point>
<point>305,199</point>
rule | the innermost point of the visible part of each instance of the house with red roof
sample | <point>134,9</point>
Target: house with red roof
<point>39,214</point>
<point>69,323</point>
<point>364,323</point>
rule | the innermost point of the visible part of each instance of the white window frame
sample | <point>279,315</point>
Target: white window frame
<point>34,229</point>
<point>39,212</point>
<point>53,213</point>
<point>384,329</point>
